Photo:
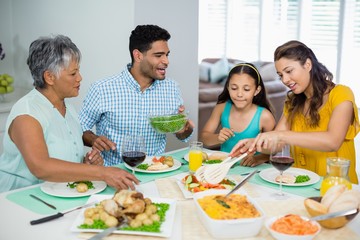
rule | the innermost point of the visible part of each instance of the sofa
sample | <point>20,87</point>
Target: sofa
<point>212,76</point>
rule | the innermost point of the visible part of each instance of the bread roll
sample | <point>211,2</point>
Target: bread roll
<point>315,208</point>
<point>217,155</point>
<point>205,156</point>
<point>332,194</point>
<point>347,200</point>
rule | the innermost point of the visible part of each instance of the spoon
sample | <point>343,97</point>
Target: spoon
<point>221,200</point>
<point>349,214</point>
<point>199,174</point>
<point>108,231</point>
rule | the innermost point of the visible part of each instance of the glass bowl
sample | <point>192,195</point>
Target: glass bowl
<point>168,123</point>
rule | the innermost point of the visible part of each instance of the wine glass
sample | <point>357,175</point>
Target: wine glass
<point>133,150</point>
<point>281,159</point>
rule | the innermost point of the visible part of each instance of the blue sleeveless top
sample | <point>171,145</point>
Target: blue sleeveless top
<point>252,130</point>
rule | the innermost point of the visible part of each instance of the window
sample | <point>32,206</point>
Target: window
<point>250,30</point>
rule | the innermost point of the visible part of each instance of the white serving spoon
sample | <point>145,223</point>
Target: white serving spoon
<point>199,174</point>
<point>216,173</point>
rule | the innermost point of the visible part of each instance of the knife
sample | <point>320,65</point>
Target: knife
<point>39,199</point>
<point>335,214</point>
<point>59,214</point>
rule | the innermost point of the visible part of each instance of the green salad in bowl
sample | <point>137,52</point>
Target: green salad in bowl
<point>168,123</point>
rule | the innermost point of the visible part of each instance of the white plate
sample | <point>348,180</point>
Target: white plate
<point>186,156</point>
<point>61,190</point>
<point>165,229</point>
<point>271,173</point>
<point>187,194</point>
<point>148,160</point>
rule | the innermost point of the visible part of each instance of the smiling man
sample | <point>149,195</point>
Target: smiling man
<point>120,105</point>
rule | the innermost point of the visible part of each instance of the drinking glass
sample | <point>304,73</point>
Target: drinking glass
<point>133,150</point>
<point>281,159</point>
<point>195,156</point>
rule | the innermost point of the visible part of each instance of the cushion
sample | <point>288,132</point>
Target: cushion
<point>219,70</point>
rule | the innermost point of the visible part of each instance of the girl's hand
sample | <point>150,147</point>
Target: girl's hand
<point>93,157</point>
<point>225,134</point>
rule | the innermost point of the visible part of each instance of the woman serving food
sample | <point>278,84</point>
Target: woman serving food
<point>320,118</point>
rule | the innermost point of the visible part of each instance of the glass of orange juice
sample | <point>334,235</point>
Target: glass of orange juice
<point>195,156</point>
<point>337,173</point>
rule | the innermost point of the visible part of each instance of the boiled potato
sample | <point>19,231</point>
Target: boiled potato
<point>81,187</point>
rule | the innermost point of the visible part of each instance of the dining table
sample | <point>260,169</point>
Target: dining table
<point>18,208</point>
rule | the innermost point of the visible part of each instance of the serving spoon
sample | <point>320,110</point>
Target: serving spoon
<point>199,174</point>
<point>221,200</point>
<point>108,231</point>
<point>216,173</point>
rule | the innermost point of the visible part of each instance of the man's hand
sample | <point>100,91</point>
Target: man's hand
<point>100,143</point>
<point>188,128</point>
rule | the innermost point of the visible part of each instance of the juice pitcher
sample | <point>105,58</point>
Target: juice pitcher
<point>337,173</point>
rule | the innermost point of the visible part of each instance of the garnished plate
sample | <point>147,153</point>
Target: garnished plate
<point>62,190</point>
<point>189,187</point>
<point>270,175</point>
<point>165,228</point>
<point>148,160</point>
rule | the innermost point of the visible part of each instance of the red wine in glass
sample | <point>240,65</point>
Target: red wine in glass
<point>133,150</point>
<point>281,160</point>
<point>282,163</point>
<point>133,158</point>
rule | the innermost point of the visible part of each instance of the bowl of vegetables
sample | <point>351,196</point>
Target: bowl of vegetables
<point>168,123</point>
<point>292,227</point>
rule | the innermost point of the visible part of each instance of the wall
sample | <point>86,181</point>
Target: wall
<point>101,30</point>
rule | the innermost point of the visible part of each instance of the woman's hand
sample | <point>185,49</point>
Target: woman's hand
<point>242,146</point>
<point>120,179</point>
<point>264,142</point>
<point>225,134</point>
<point>93,157</point>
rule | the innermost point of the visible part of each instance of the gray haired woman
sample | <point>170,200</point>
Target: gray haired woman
<point>43,137</point>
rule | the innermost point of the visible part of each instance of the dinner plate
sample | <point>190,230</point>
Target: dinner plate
<point>61,190</point>
<point>165,229</point>
<point>186,156</point>
<point>148,160</point>
<point>186,193</point>
<point>270,174</point>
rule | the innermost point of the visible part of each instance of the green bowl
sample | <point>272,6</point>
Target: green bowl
<point>170,123</point>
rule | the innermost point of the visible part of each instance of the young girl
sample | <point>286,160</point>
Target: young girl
<point>242,111</point>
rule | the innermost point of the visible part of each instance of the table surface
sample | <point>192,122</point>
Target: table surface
<point>15,219</point>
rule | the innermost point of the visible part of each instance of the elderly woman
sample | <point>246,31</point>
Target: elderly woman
<point>43,140</point>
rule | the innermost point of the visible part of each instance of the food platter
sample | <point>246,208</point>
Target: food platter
<point>62,190</point>
<point>188,194</point>
<point>209,152</point>
<point>165,229</point>
<point>270,174</point>
<point>148,160</point>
